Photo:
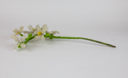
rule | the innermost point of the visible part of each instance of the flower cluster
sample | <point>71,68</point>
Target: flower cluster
<point>33,33</point>
<point>42,33</point>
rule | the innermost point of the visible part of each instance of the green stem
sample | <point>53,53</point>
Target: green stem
<point>51,36</point>
<point>60,37</point>
<point>29,39</point>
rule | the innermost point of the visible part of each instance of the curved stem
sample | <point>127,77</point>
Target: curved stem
<point>29,39</point>
<point>51,36</point>
<point>60,37</point>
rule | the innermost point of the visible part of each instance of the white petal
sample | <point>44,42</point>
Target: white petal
<point>16,46</point>
<point>54,32</point>
<point>27,32</point>
<point>47,32</point>
<point>51,32</point>
<point>15,31</point>
<point>44,28</point>
<point>24,37</point>
<point>18,40</point>
<point>36,37</point>
<point>16,34</point>
<point>14,37</point>
<point>22,45</point>
<point>30,28</point>
<point>36,32</point>
<point>21,29</point>
<point>21,39</point>
<point>57,32</point>
<point>36,27</point>
<point>42,37</point>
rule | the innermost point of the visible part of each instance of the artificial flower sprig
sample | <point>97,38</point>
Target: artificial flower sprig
<point>42,33</point>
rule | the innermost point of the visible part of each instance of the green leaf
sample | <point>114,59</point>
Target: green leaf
<point>30,35</point>
<point>21,34</point>
<point>19,46</point>
<point>51,34</point>
<point>28,38</point>
<point>47,34</point>
<point>50,37</point>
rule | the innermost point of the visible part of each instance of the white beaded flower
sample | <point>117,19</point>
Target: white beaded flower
<point>18,32</point>
<point>40,32</point>
<point>19,40</point>
<point>32,29</point>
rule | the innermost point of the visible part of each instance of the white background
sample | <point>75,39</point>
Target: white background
<point>104,20</point>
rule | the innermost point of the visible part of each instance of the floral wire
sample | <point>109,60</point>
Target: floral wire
<point>60,37</point>
<point>51,36</point>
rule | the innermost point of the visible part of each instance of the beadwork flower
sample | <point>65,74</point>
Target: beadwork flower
<point>32,29</point>
<point>40,32</point>
<point>18,32</point>
<point>19,40</point>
